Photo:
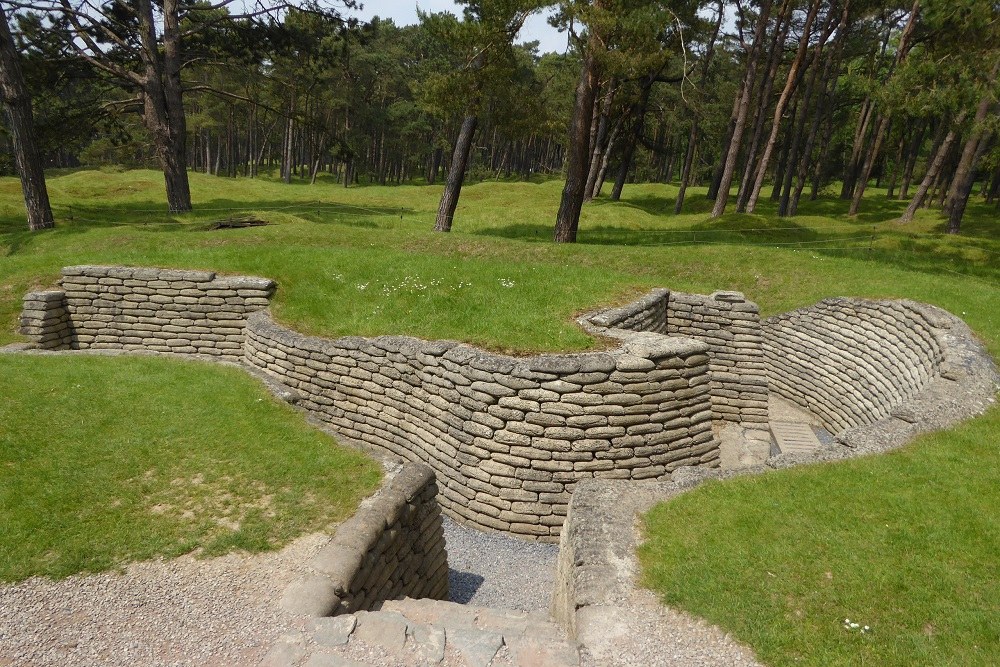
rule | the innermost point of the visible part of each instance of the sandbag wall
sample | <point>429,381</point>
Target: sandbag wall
<point>851,361</point>
<point>649,313</point>
<point>108,307</point>
<point>45,321</point>
<point>392,547</point>
<point>728,324</point>
<point>508,438</point>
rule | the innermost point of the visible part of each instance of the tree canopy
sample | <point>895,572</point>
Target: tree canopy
<point>731,94</point>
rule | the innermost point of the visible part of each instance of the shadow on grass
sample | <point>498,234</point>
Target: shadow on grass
<point>731,228</point>
<point>869,236</point>
<point>151,216</point>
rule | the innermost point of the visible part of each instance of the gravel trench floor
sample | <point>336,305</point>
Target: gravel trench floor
<point>496,570</point>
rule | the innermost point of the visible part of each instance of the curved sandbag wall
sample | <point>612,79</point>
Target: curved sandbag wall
<point>852,361</point>
<point>507,437</point>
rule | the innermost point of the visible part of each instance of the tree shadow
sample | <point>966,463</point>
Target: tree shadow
<point>694,204</point>
<point>732,228</point>
<point>151,216</point>
<point>869,236</point>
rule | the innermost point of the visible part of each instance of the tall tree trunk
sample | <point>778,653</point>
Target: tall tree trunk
<point>577,167</point>
<point>788,171</point>
<point>790,83</point>
<point>601,142</point>
<point>860,133</point>
<point>671,160</point>
<point>163,108</point>
<point>287,150</point>
<point>639,112</point>
<point>456,175</point>
<point>970,152</point>
<point>692,144</point>
<point>316,164</point>
<point>785,148</point>
<point>901,52</point>
<point>624,165</point>
<point>869,163</point>
<point>435,165</point>
<point>218,156</point>
<point>775,56</point>
<point>720,167</point>
<point>824,102</point>
<point>722,192</point>
<point>602,169</point>
<point>861,129</point>
<point>17,104</point>
<point>993,189</point>
<point>206,144</point>
<point>932,171</point>
<point>913,153</point>
<point>804,161</point>
<point>962,185</point>
<point>686,167</point>
<point>897,165</point>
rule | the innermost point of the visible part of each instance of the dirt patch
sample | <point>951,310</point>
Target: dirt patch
<point>225,501</point>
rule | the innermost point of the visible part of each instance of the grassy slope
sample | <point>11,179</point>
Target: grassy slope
<point>104,460</point>
<point>904,543</point>
<point>380,270</point>
<point>344,270</point>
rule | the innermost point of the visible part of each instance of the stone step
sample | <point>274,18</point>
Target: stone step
<point>452,615</point>
<point>422,633</point>
<point>794,437</point>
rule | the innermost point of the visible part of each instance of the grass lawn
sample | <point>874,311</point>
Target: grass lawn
<point>898,535</point>
<point>105,460</point>
<point>904,543</point>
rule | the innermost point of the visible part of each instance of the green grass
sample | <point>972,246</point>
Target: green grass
<point>326,242</point>
<point>365,261</point>
<point>905,543</point>
<point>105,460</point>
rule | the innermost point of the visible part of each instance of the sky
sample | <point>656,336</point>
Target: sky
<point>404,12</point>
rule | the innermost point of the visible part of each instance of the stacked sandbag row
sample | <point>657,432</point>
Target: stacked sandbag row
<point>159,309</point>
<point>851,361</point>
<point>507,437</point>
<point>45,320</point>
<point>393,547</point>
<point>646,314</point>
<point>730,325</point>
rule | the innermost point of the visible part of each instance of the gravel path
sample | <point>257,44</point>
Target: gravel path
<point>496,570</point>
<point>223,611</point>
<point>212,612</point>
<point>651,635</point>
